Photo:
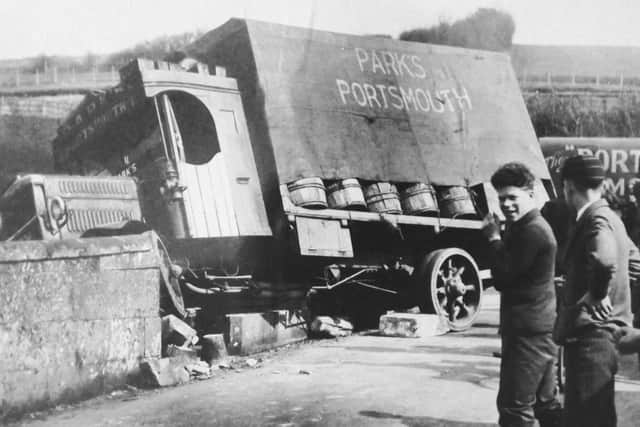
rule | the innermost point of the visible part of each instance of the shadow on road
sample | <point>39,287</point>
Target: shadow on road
<point>423,421</point>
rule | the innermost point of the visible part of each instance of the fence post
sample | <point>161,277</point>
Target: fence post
<point>37,77</point>
<point>17,77</point>
<point>113,72</point>
<point>621,80</point>
<point>55,74</point>
<point>573,79</point>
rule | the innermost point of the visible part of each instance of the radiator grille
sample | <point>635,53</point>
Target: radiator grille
<point>102,188</point>
<point>81,220</point>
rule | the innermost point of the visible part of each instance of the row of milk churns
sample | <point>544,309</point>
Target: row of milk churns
<point>383,197</point>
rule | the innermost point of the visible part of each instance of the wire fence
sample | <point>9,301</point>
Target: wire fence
<point>53,77</point>
<point>579,81</point>
<point>101,76</point>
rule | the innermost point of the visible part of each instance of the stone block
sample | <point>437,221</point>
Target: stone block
<point>116,294</point>
<point>73,326</point>
<point>163,372</point>
<point>29,296</point>
<point>213,348</point>
<point>253,332</point>
<point>177,332</point>
<point>130,261</point>
<point>152,337</point>
<point>410,325</point>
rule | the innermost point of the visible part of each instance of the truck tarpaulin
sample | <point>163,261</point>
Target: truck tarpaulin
<point>338,106</point>
<point>620,158</point>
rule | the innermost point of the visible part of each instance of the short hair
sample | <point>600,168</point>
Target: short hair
<point>513,174</point>
<point>585,171</point>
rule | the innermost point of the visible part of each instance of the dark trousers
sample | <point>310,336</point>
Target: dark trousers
<point>591,365</point>
<point>528,381</point>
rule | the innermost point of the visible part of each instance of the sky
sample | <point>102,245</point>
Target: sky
<point>76,27</point>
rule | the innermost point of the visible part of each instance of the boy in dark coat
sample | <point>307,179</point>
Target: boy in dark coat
<point>523,262</point>
<point>596,298</point>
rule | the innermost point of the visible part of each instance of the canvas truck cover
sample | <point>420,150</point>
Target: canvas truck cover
<point>340,106</point>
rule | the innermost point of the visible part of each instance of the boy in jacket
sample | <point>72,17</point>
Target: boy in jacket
<point>522,265</point>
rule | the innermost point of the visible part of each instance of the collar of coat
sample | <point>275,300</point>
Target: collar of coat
<point>590,211</point>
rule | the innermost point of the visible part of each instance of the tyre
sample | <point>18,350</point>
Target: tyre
<point>448,283</point>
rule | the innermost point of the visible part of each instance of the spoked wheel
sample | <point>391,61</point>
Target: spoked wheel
<point>454,286</point>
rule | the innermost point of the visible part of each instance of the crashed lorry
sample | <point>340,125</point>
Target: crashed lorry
<point>279,164</point>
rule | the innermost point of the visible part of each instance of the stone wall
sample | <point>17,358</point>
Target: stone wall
<point>77,317</point>
<point>27,127</point>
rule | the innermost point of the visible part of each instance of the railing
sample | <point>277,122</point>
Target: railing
<point>53,78</point>
<point>618,82</point>
<point>17,80</point>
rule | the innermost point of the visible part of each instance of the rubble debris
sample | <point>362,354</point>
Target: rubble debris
<point>304,372</point>
<point>325,326</point>
<point>199,370</point>
<point>177,332</point>
<point>163,372</point>
<point>409,325</point>
<point>213,348</point>
<point>252,363</point>
<point>182,354</point>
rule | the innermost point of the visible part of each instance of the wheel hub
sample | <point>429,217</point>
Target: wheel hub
<point>455,288</point>
<point>453,284</point>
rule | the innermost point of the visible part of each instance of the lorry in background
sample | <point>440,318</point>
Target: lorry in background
<point>235,152</point>
<point>620,158</point>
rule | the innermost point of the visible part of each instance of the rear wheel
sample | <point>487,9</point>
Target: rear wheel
<point>449,283</point>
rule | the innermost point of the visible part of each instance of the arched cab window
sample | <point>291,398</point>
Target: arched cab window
<point>189,128</point>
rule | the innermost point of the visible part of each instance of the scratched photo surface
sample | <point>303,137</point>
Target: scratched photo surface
<point>285,200</point>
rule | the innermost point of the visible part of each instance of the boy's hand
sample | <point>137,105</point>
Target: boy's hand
<point>491,227</point>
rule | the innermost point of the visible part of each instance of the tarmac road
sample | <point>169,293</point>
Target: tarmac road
<point>449,380</point>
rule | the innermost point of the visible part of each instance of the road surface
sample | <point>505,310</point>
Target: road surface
<point>363,380</point>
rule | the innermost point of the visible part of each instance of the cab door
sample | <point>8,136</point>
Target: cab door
<point>213,157</point>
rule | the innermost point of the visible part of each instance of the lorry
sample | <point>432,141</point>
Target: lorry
<point>620,158</point>
<point>227,147</point>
